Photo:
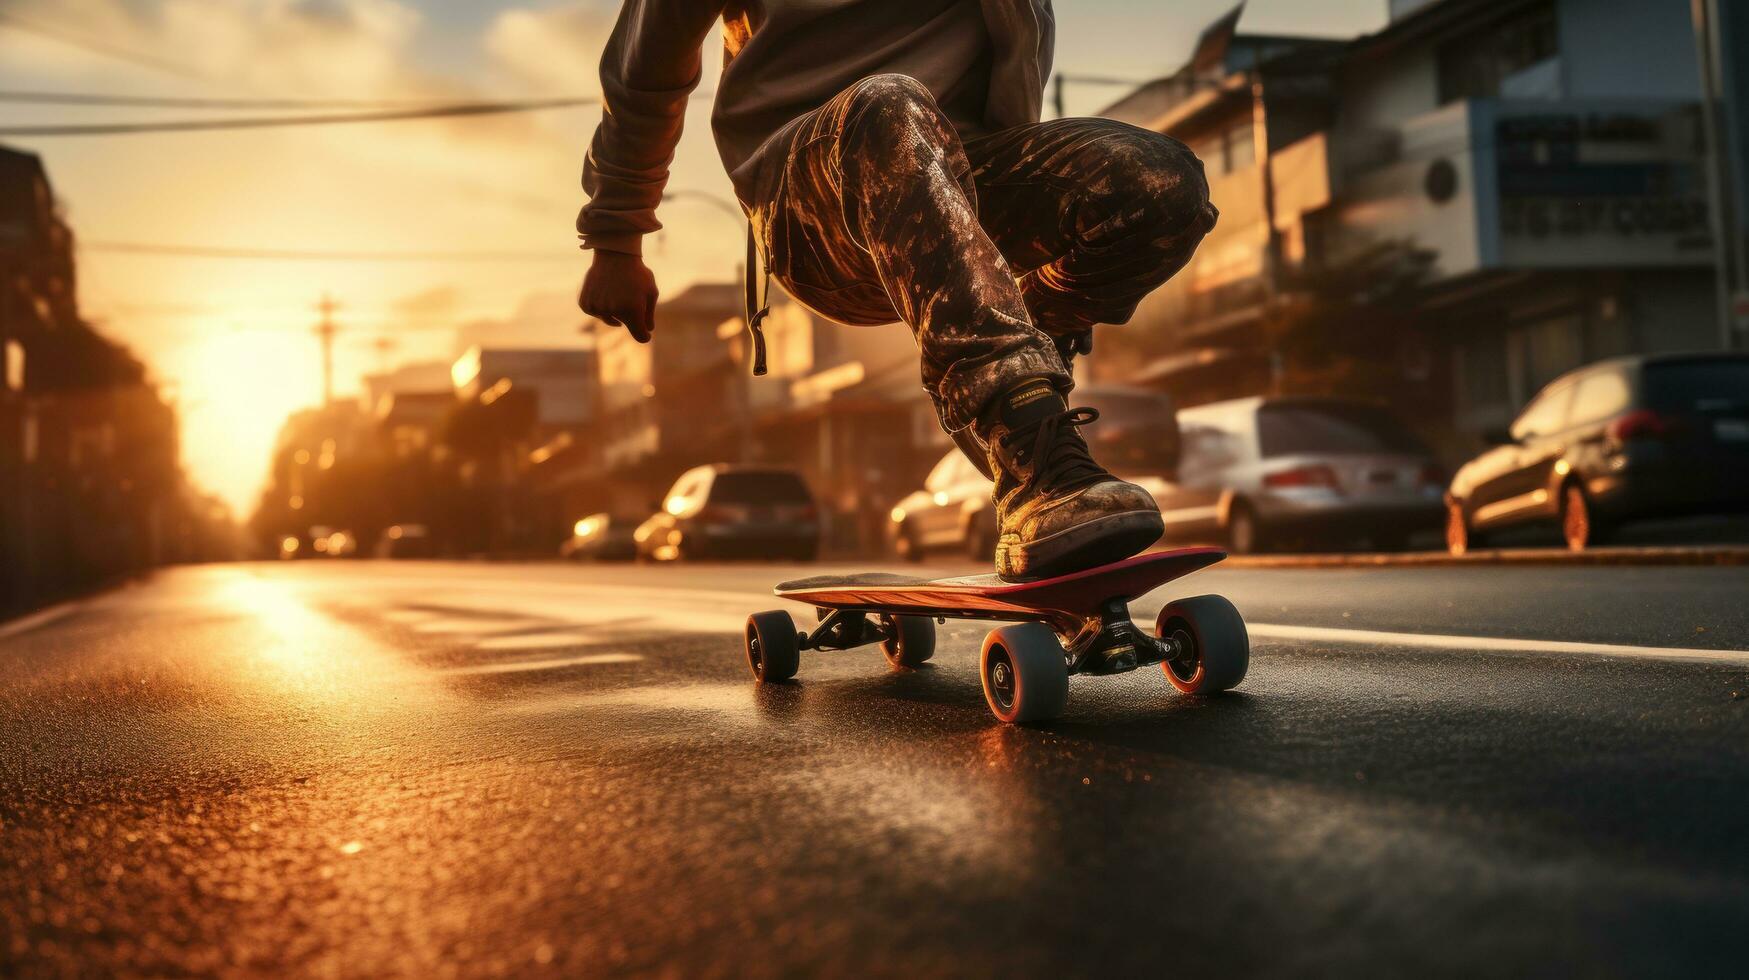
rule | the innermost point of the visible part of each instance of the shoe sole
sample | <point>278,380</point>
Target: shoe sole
<point>1097,542</point>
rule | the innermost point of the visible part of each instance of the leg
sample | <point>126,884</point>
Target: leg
<point>1092,213</point>
<point>877,219</point>
<point>877,202</point>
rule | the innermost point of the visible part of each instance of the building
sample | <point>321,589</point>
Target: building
<point>843,405</point>
<point>411,405</point>
<point>1255,109</point>
<point>672,404</point>
<point>1563,193</point>
<point>90,483</point>
<point>562,380</point>
<point>1446,213</point>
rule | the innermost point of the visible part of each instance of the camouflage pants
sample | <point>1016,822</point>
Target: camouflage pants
<point>1000,251</point>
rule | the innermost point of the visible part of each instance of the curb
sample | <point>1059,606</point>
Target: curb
<point>1513,556</point>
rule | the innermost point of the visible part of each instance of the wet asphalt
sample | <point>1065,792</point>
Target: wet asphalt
<point>366,769</point>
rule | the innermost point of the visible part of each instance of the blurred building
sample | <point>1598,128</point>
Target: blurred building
<point>524,424</point>
<point>846,407</point>
<point>90,483</point>
<point>1450,212</point>
<point>562,380</point>
<point>327,474</point>
<point>410,404</point>
<point>676,403</point>
<point>840,404</point>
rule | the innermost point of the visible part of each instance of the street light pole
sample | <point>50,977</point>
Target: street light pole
<point>743,422</point>
<point>1727,246</point>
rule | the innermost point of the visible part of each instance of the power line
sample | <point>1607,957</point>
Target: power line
<point>318,255</point>
<point>328,119</point>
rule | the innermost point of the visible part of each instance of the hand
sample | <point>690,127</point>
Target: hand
<point>620,290</point>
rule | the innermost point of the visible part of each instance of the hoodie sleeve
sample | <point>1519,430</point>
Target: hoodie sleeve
<point>650,67</point>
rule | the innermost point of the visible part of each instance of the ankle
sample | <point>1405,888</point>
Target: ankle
<point>1030,401</point>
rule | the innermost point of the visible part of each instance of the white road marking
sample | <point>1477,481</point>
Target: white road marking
<point>35,620</point>
<point>551,664</point>
<point>1435,641</point>
<point>481,627</point>
<point>536,641</point>
<point>721,611</point>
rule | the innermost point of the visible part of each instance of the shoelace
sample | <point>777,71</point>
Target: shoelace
<point>1062,459</point>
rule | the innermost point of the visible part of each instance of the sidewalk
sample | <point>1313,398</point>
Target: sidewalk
<point>1646,555</point>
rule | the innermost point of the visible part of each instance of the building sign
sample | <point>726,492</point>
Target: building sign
<point>1591,188</point>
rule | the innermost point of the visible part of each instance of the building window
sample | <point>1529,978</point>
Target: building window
<point>1484,391</point>
<point>1241,147</point>
<point>1229,151</point>
<point>1474,67</point>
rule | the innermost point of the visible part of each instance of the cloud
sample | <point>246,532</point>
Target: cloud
<point>318,47</point>
<point>434,302</point>
<point>551,48</point>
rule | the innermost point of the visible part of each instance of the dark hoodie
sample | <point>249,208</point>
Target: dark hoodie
<point>985,61</point>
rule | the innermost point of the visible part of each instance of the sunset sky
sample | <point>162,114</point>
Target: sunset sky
<point>231,337</point>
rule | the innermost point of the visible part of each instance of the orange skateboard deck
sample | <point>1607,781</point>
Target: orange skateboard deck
<point>1063,602</point>
<point>1059,627</point>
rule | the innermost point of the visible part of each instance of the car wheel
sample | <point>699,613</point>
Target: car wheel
<point>1580,528</point>
<point>1244,534</point>
<point>1460,538</point>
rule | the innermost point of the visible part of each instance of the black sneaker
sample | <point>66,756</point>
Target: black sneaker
<point>1058,510</point>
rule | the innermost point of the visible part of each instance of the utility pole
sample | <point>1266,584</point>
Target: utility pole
<point>1728,247</point>
<point>325,331</point>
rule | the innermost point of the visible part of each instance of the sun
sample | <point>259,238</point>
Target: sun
<point>234,387</point>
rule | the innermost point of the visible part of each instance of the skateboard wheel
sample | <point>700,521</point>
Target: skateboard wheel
<point>910,640</point>
<point>773,654</point>
<point>1025,678</point>
<point>1212,648</point>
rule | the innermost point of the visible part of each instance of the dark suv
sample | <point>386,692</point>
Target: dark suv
<point>1626,438</point>
<point>728,511</point>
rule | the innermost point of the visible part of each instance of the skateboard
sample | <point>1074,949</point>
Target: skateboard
<point>1063,626</point>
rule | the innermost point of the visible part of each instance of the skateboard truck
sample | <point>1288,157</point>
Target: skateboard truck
<point>1109,643</point>
<point>841,629</point>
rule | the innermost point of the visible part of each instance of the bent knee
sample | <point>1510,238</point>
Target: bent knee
<point>892,90</point>
<point>1164,176</point>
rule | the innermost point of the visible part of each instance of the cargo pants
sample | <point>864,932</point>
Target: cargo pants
<point>1000,251</point>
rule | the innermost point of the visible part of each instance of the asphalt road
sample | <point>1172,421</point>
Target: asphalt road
<point>431,769</point>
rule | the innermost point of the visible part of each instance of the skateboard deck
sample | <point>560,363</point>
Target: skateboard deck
<point>1064,601</point>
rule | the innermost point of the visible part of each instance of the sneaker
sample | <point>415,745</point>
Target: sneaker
<point>1057,510</point>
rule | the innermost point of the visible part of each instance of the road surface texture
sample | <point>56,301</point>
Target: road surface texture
<point>432,769</point>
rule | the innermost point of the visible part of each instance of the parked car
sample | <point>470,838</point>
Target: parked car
<point>1136,437</point>
<point>1626,438</point>
<point>406,541</point>
<point>1258,472</point>
<point>727,511</point>
<point>326,541</point>
<point>601,537</point>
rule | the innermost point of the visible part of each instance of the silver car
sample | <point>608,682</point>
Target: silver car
<point>1256,473</point>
